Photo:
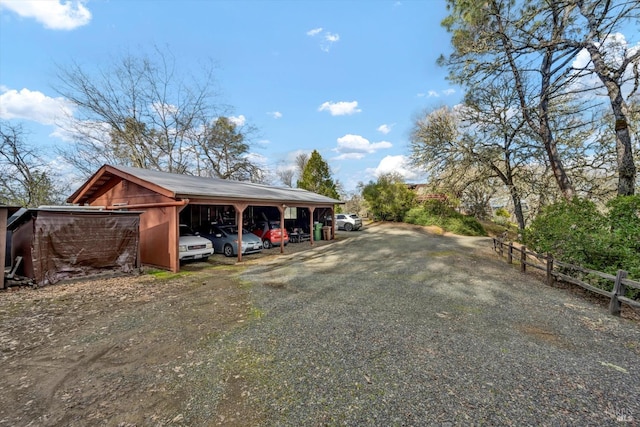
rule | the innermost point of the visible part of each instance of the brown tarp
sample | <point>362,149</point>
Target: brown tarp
<point>69,245</point>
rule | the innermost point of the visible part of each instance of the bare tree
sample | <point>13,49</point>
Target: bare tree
<point>25,179</point>
<point>141,111</point>
<point>286,176</point>
<point>301,163</point>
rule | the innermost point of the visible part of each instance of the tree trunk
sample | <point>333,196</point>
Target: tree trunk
<point>612,77</point>
<point>544,130</point>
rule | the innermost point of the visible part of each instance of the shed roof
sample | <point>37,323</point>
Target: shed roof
<point>181,186</point>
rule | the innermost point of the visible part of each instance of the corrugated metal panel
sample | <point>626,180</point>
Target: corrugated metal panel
<point>185,186</point>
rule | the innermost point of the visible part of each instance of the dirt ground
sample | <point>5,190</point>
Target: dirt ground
<point>114,350</point>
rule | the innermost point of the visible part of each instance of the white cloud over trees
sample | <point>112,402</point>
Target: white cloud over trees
<point>356,147</point>
<point>32,105</point>
<point>399,164</point>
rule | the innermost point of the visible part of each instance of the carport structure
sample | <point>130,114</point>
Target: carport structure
<point>162,196</point>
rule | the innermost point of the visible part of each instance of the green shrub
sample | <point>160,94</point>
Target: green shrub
<point>576,232</point>
<point>435,212</point>
<point>503,213</point>
<point>567,230</point>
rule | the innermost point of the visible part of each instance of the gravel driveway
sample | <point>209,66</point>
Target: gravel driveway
<point>389,326</point>
<point>393,326</point>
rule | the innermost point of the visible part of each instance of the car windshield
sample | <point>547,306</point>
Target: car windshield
<point>186,231</point>
<point>232,229</point>
<point>274,225</point>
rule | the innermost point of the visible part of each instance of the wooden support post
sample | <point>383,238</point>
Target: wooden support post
<point>501,245</point>
<point>510,253</point>
<point>523,259</point>
<point>550,278</point>
<point>615,307</point>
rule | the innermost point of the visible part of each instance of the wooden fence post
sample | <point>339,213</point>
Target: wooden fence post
<point>618,289</point>
<point>523,259</point>
<point>510,253</point>
<point>549,270</point>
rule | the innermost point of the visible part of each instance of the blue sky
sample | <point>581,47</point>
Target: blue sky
<point>343,77</point>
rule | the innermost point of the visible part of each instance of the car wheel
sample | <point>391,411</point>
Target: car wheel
<point>227,250</point>
<point>266,243</point>
<point>348,227</point>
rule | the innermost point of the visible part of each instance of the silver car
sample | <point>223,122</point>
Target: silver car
<point>348,222</point>
<point>225,240</point>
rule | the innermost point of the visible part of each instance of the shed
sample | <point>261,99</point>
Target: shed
<point>167,198</point>
<point>5,213</point>
<point>57,243</point>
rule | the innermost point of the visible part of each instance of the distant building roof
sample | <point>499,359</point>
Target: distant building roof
<point>187,186</point>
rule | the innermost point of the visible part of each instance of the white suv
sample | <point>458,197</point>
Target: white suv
<point>348,222</point>
<point>193,246</point>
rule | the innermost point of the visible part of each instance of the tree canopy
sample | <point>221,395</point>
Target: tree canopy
<point>25,178</point>
<point>316,177</point>
<point>535,45</point>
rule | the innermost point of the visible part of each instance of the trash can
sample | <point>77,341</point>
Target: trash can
<point>326,233</point>
<point>317,231</point>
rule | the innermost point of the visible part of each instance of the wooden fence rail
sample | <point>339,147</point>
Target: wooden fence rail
<point>552,267</point>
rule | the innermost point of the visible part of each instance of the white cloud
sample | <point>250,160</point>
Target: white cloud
<point>617,47</point>
<point>436,94</point>
<point>395,164</point>
<point>385,128</point>
<point>238,120</point>
<point>331,38</point>
<point>356,147</point>
<point>32,105</point>
<point>54,15</point>
<point>341,108</point>
<point>314,32</point>
<point>328,38</point>
<point>275,114</point>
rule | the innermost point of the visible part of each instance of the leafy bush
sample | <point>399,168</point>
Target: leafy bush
<point>389,198</point>
<point>567,230</point>
<point>576,232</point>
<point>435,212</point>
<point>503,213</point>
<point>502,216</point>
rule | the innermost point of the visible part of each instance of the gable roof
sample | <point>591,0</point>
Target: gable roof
<point>180,186</point>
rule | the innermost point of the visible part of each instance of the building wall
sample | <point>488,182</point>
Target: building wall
<point>158,224</point>
<point>21,243</point>
<point>4,213</point>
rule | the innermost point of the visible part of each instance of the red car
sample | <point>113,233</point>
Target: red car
<point>270,233</point>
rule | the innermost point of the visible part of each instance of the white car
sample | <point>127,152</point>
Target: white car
<point>348,222</point>
<point>192,246</point>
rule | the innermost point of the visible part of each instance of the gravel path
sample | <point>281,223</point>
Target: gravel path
<point>393,326</point>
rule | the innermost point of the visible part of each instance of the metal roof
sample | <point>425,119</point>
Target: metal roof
<point>189,186</point>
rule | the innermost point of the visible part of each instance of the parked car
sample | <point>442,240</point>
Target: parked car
<point>348,222</point>
<point>270,233</point>
<point>225,240</point>
<point>193,246</point>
